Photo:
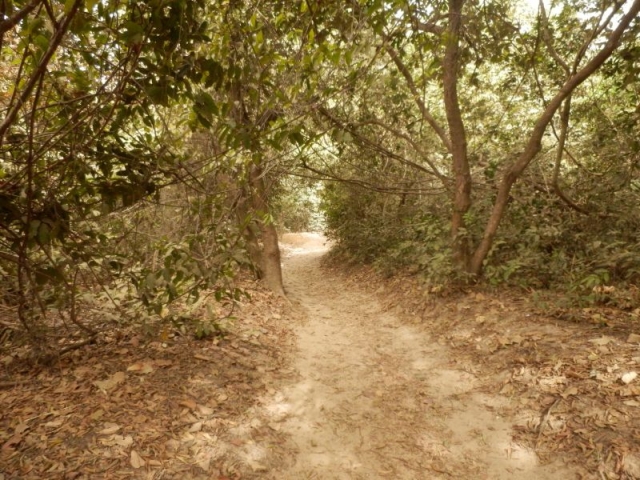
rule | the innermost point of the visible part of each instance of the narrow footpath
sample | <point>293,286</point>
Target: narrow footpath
<point>376,399</point>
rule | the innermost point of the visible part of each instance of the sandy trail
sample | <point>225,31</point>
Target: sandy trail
<point>376,399</point>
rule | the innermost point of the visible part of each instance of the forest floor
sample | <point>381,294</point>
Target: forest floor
<point>352,377</point>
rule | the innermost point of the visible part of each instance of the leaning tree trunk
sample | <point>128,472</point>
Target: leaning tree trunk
<point>534,143</point>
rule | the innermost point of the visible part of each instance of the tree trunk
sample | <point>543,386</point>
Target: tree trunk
<point>251,236</point>
<point>535,138</point>
<point>271,266</point>
<point>270,262</point>
<point>457,134</point>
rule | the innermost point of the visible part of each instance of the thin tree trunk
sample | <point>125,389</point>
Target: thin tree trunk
<point>457,134</point>
<point>562,141</point>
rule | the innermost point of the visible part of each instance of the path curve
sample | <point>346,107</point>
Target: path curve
<point>378,399</point>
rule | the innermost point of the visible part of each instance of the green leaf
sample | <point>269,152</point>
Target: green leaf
<point>214,71</point>
<point>34,226</point>
<point>296,137</point>
<point>89,4</point>
<point>44,233</point>
<point>133,33</point>
<point>68,6</point>
<point>157,94</point>
<point>205,107</point>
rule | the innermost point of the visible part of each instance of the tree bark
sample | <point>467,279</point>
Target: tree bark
<point>270,261</point>
<point>534,143</point>
<point>458,138</point>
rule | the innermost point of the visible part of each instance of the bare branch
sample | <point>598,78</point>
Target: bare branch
<point>596,31</point>
<point>14,19</point>
<point>56,39</point>
<point>416,147</point>
<point>376,146</point>
<point>562,140</point>
<point>546,36</point>
<point>9,257</point>
<point>428,27</point>
<point>416,95</point>
<point>328,176</point>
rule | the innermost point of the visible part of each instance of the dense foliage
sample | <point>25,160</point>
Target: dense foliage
<point>566,220</point>
<point>147,149</point>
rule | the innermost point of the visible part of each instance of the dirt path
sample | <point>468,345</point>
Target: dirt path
<point>376,399</point>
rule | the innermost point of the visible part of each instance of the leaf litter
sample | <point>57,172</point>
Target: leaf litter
<point>572,388</point>
<point>135,406</point>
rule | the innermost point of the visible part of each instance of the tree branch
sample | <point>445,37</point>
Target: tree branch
<point>546,36</point>
<point>402,68</point>
<point>9,257</point>
<point>534,144</point>
<point>13,20</point>
<point>376,146</point>
<point>596,31</point>
<point>434,170</point>
<point>40,69</point>
<point>327,176</point>
<point>562,140</point>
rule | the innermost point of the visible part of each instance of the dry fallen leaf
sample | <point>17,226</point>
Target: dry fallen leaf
<point>190,404</point>
<point>122,440</point>
<point>569,391</point>
<point>205,463</point>
<point>109,429</point>
<point>257,467</point>
<point>604,340</point>
<point>275,426</point>
<point>631,465</point>
<point>141,367</point>
<point>256,423</point>
<point>628,377</point>
<point>633,338</point>
<point>136,460</point>
<point>21,428</point>
<point>553,381</point>
<point>12,442</point>
<point>204,410</point>
<point>97,414</point>
<point>111,382</point>
<point>196,427</point>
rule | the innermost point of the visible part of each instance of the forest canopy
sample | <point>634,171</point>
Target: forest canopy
<point>151,150</point>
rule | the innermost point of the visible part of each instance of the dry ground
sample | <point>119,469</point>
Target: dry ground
<point>352,378</point>
<point>379,398</point>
